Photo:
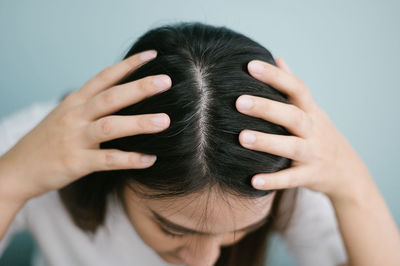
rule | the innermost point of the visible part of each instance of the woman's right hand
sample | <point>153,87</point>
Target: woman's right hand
<point>64,146</point>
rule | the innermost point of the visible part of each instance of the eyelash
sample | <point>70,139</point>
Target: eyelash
<point>168,233</point>
<point>173,235</point>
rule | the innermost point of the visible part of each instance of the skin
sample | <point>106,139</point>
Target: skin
<point>219,221</point>
<point>323,159</point>
<point>39,163</point>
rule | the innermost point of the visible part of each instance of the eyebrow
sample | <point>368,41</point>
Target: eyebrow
<point>181,229</point>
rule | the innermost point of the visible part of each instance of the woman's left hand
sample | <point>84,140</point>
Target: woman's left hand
<point>323,160</point>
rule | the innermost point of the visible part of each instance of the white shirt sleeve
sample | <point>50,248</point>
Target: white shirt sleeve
<point>313,236</point>
<point>16,125</point>
<point>12,128</point>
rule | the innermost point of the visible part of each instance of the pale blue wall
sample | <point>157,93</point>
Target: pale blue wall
<point>347,52</point>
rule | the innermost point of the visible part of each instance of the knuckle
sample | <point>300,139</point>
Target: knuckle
<point>134,160</point>
<point>67,118</point>
<point>109,159</point>
<point>146,85</point>
<point>263,106</point>
<point>297,90</point>
<point>273,72</point>
<point>286,181</point>
<point>313,180</point>
<point>131,63</point>
<point>300,88</point>
<point>298,117</point>
<point>297,150</point>
<point>139,84</point>
<point>72,162</point>
<point>317,154</point>
<point>307,125</point>
<point>71,97</point>
<point>108,98</point>
<point>301,82</point>
<point>75,98</point>
<point>105,126</point>
<point>105,74</point>
<point>269,182</point>
<point>294,181</point>
<point>143,123</point>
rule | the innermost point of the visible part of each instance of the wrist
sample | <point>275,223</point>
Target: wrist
<point>354,185</point>
<point>355,192</point>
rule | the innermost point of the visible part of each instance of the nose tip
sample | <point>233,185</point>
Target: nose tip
<point>200,257</point>
<point>184,255</point>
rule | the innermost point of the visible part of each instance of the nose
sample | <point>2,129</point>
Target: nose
<point>203,251</point>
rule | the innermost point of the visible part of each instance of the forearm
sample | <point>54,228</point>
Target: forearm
<point>7,213</point>
<point>9,205</point>
<point>369,232</point>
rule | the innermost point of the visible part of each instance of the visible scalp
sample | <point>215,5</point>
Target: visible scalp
<point>200,71</point>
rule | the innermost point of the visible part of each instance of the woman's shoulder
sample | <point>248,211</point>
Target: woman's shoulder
<point>313,216</point>
<point>33,214</point>
<point>43,207</point>
<point>313,235</point>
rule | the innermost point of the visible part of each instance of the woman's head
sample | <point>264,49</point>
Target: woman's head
<point>201,179</point>
<point>192,229</point>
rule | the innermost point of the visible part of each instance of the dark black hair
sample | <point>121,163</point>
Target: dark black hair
<point>200,149</point>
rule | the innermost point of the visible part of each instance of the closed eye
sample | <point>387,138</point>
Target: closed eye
<point>163,223</point>
<point>169,233</point>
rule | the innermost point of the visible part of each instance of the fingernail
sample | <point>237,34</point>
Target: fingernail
<point>245,102</point>
<point>162,82</point>
<point>248,137</point>
<point>256,67</point>
<point>148,55</point>
<point>258,182</point>
<point>159,120</point>
<point>148,158</point>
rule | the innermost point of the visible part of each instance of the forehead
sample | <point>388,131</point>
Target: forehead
<point>211,211</point>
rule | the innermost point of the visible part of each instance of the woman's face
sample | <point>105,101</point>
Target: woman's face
<point>191,229</point>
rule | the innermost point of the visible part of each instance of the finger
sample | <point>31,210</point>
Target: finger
<point>286,115</point>
<point>112,74</point>
<point>115,98</point>
<point>113,159</point>
<point>290,147</point>
<point>112,127</point>
<point>287,83</point>
<point>282,64</point>
<point>288,178</point>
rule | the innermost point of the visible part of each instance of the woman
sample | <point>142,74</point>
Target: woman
<point>224,162</point>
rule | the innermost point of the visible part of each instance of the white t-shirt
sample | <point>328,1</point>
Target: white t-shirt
<point>312,237</point>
